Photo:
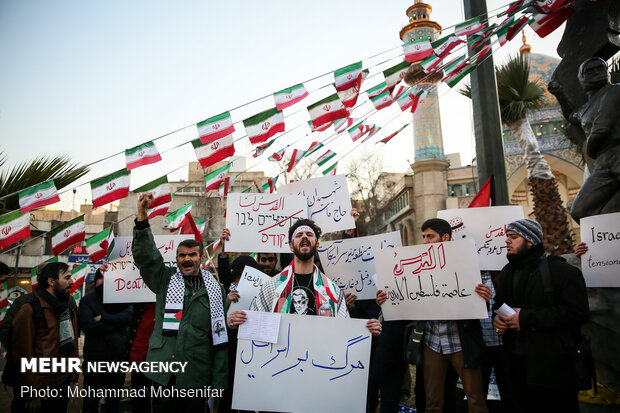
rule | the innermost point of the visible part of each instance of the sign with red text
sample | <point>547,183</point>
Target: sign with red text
<point>430,282</point>
<point>260,222</point>
<point>329,203</point>
<point>601,264</point>
<point>122,282</point>
<point>350,263</point>
<point>487,227</point>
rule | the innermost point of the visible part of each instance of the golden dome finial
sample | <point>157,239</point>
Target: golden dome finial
<point>526,48</point>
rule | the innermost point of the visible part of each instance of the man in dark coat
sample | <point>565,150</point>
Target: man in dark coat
<point>540,337</point>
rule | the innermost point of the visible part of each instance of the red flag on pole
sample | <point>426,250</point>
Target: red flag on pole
<point>483,197</point>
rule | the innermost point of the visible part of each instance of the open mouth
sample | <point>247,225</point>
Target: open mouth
<point>188,265</point>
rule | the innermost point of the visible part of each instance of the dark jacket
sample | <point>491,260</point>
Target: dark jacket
<point>104,339</point>
<point>550,323</point>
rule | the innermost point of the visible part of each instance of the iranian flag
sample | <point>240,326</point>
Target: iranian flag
<point>159,210</point>
<point>201,224</point>
<point>189,227</point>
<point>331,170</point>
<point>544,24</point>
<point>99,245</point>
<point>213,152</point>
<point>295,158</point>
<point>289,96</point>
<point>226,184</point>
<point>514,7</point>
<point>418,49</point>
<point>475,59</point>
<point>33,273</point>
<point>215,128</point>
<point>341,125</point>
<point>314,146</point>
<point>443,46</point>
<point>277,156</point>
<point>430,64</point>
<point>552,5</point>
<point>377,90</point>
<point>160,190</point>
<point>405,101</point>
<point>68,234</point>
<point>264,125</point>
<point>358,130</point>
<point>482,37</point>
<point>349,96</point>
<point>454,66</point>
<point>215,178</point>
<point>14,227</point>
<point>515,28</point>
<point>348,77</point>
<point>469,27</point>
<point>4,296</point>
<point>140,155</point>
<point>320,128</point>
<point>395,74</point>
<point>373,129</point>
<point>38,196</point>
<point>262,148</point>
<point>458,75</point>
<point>326,157</point>
<point>270,185</point>
<point>78,274</point>
<point>502,35</point>
<point>390,136</point>
<point>327,110</point>
<point>177,218</point>
<point>419,97</point>
<point>382,101</point>
<point>34,281</point>
<point>110,188</point>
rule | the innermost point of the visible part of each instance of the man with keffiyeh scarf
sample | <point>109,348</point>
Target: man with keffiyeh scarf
<point>189,316</point>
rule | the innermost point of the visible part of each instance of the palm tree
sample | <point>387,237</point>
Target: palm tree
<point>41,169</point>
<point>517,96</point>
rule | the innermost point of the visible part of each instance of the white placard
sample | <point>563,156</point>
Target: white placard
<point>249,286</point>
<point>260,222</point>
<point>487,227</point>
<point>320,364</point>
<point>601,264</point>
<point>122,282</point>
<point>260,326</point>
<point>329,203</point>
<point>350,262</point>
<point>431,282</point>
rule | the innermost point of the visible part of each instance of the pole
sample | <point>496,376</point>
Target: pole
<point>487,118</point>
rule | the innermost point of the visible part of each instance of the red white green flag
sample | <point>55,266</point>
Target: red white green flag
<point>262,148</point>
<point>215,151</point>
<point>215,128</point>
<point>215,178</point>
<point>477,58</point>
<point>289,96</point>
<point>331,170</point>
<point>418,98</point>
<point>515,28</point>
<point>4,300</point>
<point>341,125</point>
<point>159,210</point>
<point>326,157</point>
<point>444,46</point>
<point>358,130</point>
<point>390,136</point>
<point>140,155</point>
<point>295,158</point>
<point>377,90</point>
<point>160,190</point>
<point>454,66</point>
<point>327,110</point>
<point>373,129</point>
<point>544,24</point>
<point>189,227</point>
<point>320,128</point>
<point>514,7</point>
<point>226,184</point>
<point>33,273</point>
<point>38,196</point>
<point>78,274</point>
<point>314,146</point>
<point>551,6</point>
<point>458,75</point>
<point>270,185</point>
<point>393,75</point>
<point>177,218</point>
<point>264,125</point>
<point>348,77</point>
<point>98,245</point>
<point>382,101</point>
<point>110,188</point>
<point>405,101</point>
<point>431,64</point>
<point>482,37</point>
<point>14,227</point>
<point>68,234</point>
<point>469,27</point>
<point>279,155</point>
<point>201,224</point>
<point>348,97</point>
<point>418,49</point>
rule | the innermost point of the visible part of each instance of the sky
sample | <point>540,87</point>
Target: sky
<point>91,79</point>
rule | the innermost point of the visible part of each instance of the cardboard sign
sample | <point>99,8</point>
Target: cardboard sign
<point>350,263</point>
<point>260,222</point>
<point>431,282</point>
<point>601,264</point>
<point>122,282</point>
<point>487,227</point>
<point>249,286</point>
<point>329,203</point>
<point>320,364</point>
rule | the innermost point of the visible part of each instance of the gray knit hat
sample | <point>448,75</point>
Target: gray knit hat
<point>528,229</point>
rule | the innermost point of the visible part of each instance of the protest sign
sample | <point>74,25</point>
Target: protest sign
<point>249,286</point>
<point>316,366</point>
<point>260,222</point>
<point>487,227</point>
<point>431,282</point>
<point>329,203</point>
<point>350,262</point>
<point>601,264</point>
<point>122,282</point>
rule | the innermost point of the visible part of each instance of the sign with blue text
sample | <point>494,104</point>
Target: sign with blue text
<point>601,264</point>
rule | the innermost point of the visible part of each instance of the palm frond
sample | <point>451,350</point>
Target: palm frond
<point>517,93</point>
